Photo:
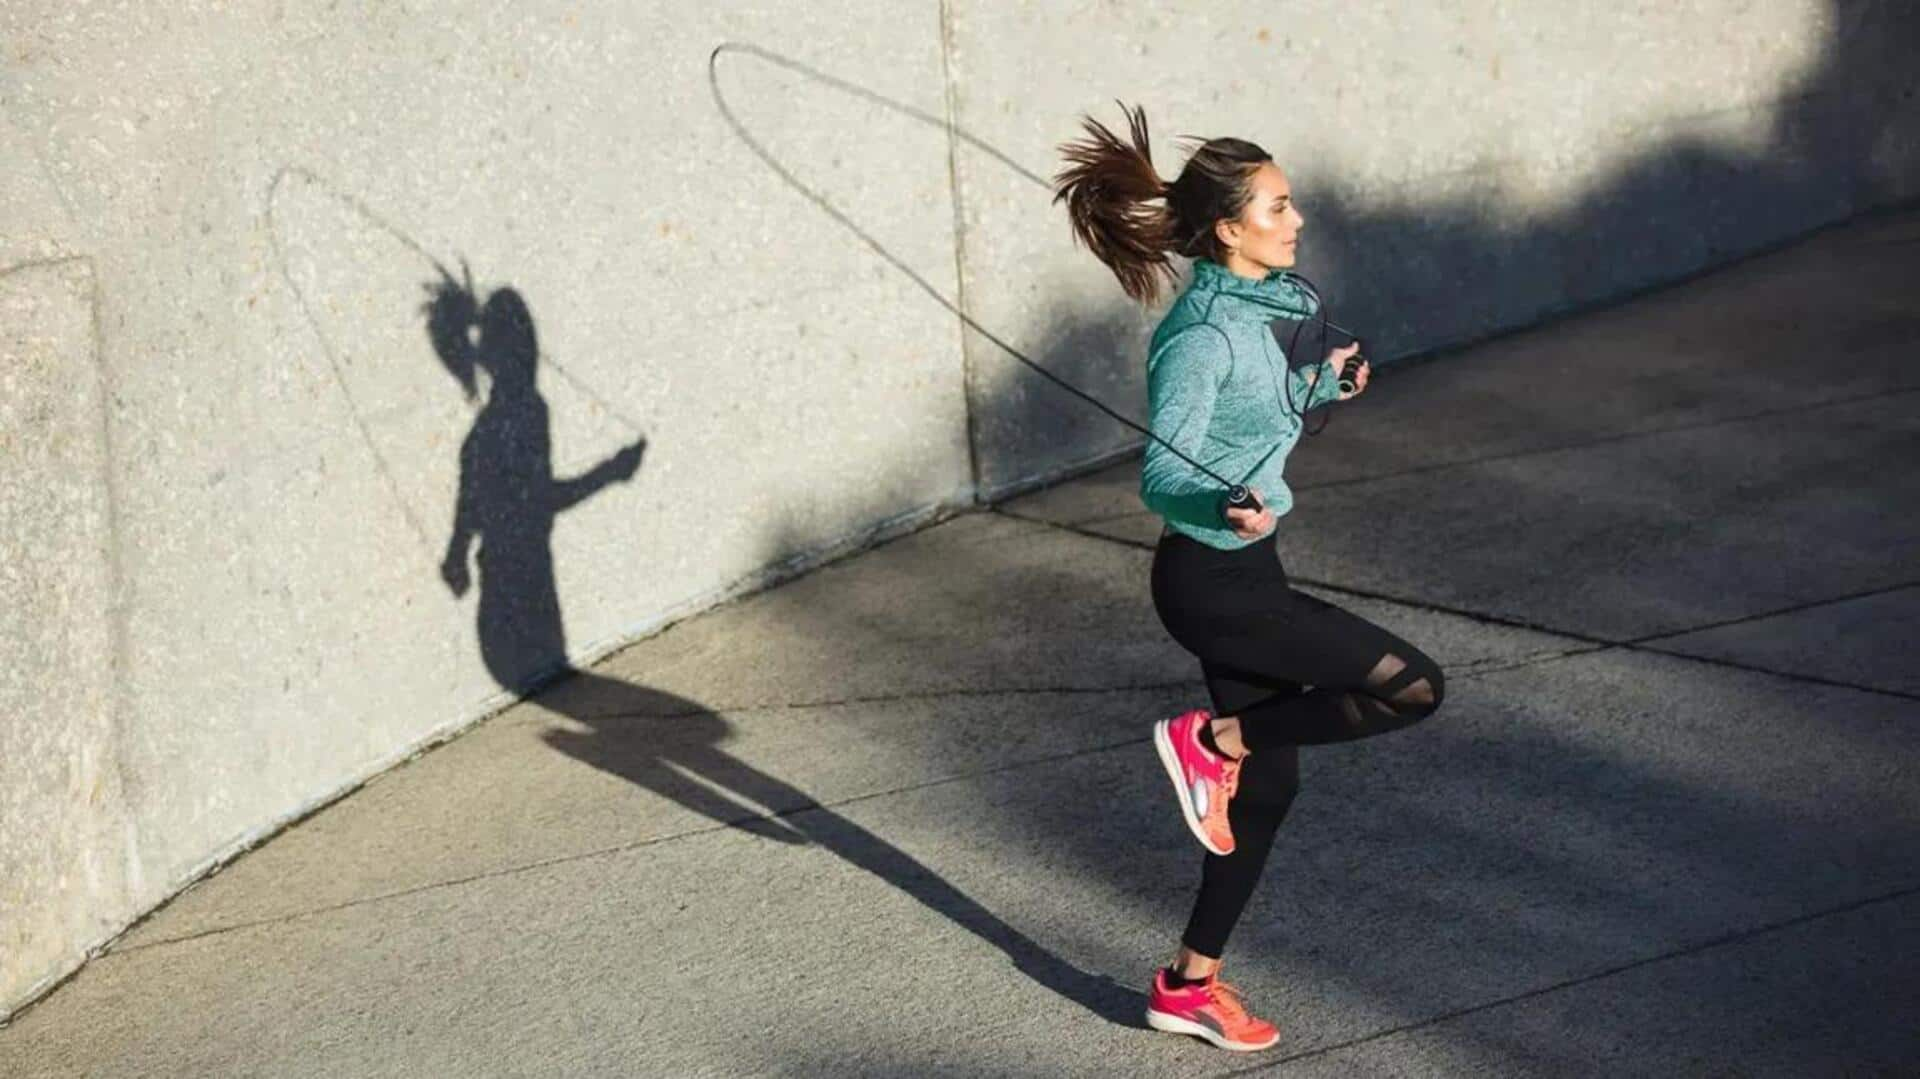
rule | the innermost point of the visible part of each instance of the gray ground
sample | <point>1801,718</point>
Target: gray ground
<point>901,817</point>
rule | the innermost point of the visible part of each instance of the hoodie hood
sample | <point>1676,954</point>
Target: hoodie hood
<point>1278,293</point>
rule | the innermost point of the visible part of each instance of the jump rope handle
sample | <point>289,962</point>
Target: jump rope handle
<point>1350,371</point>
<point>1240,498</point>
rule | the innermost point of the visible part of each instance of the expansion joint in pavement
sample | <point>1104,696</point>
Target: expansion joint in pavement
<point>1735,937</point>
<point>1594,644</point>
<point>893,698</point>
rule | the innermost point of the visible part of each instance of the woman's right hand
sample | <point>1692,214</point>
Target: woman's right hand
<point>453,570</point>
<point>1249,525</point>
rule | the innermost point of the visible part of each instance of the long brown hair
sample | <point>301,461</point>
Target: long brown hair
<point>1130,219</point>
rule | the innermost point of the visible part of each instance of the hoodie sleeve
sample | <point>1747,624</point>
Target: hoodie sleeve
<point>1317,389</point>
<point>1184,378</point>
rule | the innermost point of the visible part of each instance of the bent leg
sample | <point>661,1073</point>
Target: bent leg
<point>1404,687</point>
<point>1366,680</point>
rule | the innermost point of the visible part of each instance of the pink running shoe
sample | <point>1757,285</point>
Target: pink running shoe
<point>1210,1009</point>
<point>1204,780</point>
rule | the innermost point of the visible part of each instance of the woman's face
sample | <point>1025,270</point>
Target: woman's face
<point>1268,226</point>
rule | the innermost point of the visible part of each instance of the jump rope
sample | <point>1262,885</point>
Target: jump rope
<point>1237,494</point>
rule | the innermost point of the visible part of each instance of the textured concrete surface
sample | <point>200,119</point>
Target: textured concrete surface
<point>318,529</point>
<point>62,808</point>
<point>900,816</point>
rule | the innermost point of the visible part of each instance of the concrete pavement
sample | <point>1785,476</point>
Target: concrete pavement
<point>900,816</point>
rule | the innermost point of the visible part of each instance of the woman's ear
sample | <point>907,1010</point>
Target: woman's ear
<point>1228,232</point>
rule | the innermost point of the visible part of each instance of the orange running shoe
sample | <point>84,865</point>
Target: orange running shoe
<point>1205,781</point>
<point>1210,1009</point>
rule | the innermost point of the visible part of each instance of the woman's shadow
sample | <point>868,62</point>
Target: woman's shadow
<point>508,502</point>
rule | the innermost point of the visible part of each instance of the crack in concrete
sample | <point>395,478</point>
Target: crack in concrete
<point>1791,676</point>
<point>651,841</point>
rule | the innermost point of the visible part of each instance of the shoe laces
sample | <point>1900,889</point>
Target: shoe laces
<point>1229,999</point>
<point>1230,776</point>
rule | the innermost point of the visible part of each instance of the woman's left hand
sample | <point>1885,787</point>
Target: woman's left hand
<point>1339,356</point>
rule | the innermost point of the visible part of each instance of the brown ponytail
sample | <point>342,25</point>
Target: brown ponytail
<point>1130,219</point>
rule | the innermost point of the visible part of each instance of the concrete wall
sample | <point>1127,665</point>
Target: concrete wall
<point>230,457</point>
<point>1464,168</point>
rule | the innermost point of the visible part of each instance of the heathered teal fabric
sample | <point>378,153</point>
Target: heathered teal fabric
<point>1214,374</point>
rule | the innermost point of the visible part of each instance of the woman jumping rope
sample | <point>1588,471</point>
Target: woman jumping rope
<point>1283,669</point>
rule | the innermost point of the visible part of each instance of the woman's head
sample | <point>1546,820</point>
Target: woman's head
<point>1230,203</point>
<point>508,350</point>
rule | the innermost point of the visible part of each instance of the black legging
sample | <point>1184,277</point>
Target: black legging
<point>1261,644</point>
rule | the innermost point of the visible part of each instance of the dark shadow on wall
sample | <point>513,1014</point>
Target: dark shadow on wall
<point>509,497</point>
<point>1461,265</point>
<point>508,503</point>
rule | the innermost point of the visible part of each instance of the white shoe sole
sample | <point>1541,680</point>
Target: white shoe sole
<point>1163,745</point>
<point>1173,1024</point>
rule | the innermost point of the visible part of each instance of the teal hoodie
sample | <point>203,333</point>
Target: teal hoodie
<point>1214,374</point>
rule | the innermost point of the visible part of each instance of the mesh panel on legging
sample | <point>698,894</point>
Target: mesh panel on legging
<point>1397,694</point>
